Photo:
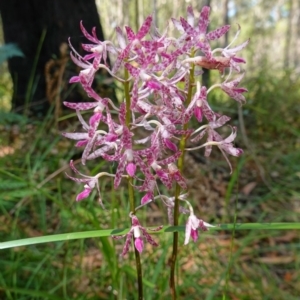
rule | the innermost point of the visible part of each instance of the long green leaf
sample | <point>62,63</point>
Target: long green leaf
<point>109,232</point>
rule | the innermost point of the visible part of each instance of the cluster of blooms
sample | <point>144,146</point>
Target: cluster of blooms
<point>158,69</point>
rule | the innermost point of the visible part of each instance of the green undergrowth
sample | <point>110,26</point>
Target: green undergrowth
<point>37,199</point>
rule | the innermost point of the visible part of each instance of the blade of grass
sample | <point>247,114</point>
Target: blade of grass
<point>230,263</point>
<point>233,180</point>
<point>109,232</point>
<point>29,90</point>
<point>4,287</point>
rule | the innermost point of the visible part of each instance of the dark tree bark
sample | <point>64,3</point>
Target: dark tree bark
<point>24,23</point>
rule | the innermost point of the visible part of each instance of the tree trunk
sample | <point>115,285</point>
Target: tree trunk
<point>288,38</point>
<point>41,30</point>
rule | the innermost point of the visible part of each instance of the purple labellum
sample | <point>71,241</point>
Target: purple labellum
<point>84,194</point>
<point>139,244</point>
<point>131,169</point>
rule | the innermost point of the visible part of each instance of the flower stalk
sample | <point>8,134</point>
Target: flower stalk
<point>182,143</point>
<point>138,264</point>
<point>155,66</point>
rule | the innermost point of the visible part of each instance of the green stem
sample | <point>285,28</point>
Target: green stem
<point>139,273</point>
<point>127,98</point>
<point>175,246</point>
<point>131,191</point>
<point>177,190</point>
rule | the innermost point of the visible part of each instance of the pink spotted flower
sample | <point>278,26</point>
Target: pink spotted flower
<point>90,182</point>
<point>196,35</point>
<point>137,232</point>
<point>232,90</point>
<point>99,49</point>
<point>192,226</point>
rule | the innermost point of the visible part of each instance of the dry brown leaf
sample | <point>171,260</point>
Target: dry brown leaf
<point>276,260</point>
<point>288,276</point>
<point>287,237</point>
<point>92,259</point>
<point>6,150</point>
<point>248,188</point>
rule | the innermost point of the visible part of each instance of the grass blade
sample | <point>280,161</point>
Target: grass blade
<point>109,232</point>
